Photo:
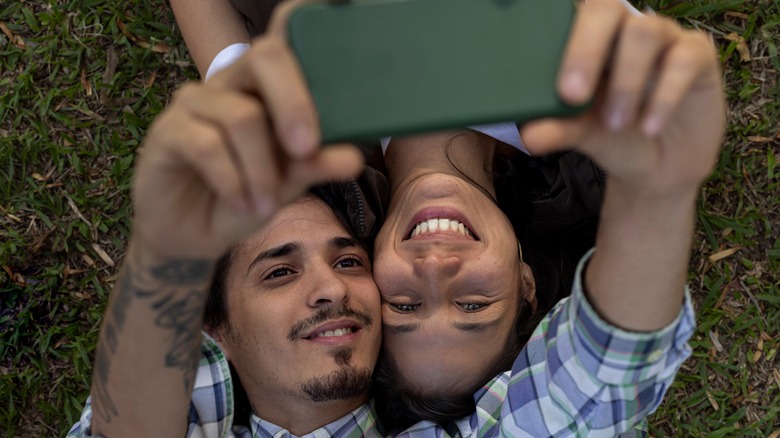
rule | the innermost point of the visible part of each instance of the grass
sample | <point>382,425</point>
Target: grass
<point>81,79</point>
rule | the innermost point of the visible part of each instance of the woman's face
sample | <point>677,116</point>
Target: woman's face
<point>447,267</point>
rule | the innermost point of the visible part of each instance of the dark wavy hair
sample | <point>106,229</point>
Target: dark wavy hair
<point>531,192</point>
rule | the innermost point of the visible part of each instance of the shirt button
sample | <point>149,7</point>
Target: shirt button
<point>654,356</point>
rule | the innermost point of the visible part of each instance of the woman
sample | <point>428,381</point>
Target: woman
<point>456,288</point>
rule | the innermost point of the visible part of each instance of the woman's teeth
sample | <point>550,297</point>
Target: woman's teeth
<point>440,225</point>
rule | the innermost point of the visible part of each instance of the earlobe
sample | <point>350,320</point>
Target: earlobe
<point>528,285</point>
<point>216,335</point>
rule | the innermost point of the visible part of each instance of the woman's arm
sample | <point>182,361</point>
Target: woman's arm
<point>656,128</point>
<point>208,27</point>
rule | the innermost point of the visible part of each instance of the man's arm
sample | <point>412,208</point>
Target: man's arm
<point>213,169</point>
<point>147,352</point>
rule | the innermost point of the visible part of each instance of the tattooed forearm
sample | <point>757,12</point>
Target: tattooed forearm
<point>183,317</point>
<point>177,293</point>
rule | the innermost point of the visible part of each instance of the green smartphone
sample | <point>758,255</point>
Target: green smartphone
<point>390,67</point>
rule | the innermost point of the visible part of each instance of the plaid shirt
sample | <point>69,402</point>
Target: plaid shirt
<point>577,376</point>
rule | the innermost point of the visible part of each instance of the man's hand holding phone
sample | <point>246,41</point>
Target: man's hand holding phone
<point>230,152</point>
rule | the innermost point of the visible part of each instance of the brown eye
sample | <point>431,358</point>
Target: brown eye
<point>472,307</point>
<point>277,273</point>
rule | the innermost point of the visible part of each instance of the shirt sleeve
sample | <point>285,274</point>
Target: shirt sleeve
<point>581,376</point>
<point>83,429</point>
<point>225,58</point>
<point>211,408</point>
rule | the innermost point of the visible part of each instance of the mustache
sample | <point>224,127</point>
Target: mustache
<point>325,313</point>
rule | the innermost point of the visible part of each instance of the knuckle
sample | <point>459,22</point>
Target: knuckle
<point>245,115</point>
<point>644,28</point>
<point>269,50</point>
<point>186,92</point>
<point>207,145</point>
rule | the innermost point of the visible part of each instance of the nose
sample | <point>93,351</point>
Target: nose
<point>435,268</point>
<point>326,287</point>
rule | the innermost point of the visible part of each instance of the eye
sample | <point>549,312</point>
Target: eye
<point>472,307</point>
<point>349,262</point>
<point>404,308</point>
<point>278,273</point>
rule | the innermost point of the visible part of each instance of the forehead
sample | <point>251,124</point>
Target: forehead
<point>308,221</point>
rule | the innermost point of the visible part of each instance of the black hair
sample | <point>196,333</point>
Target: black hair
<point>554,216</point>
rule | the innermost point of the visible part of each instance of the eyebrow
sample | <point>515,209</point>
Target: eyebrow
<point>465,326</point>
<point>275,252</point>
<point>475,326</point>
<point>404,328</point>
<point>292,247</point>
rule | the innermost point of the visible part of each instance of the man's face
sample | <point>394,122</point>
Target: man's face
<point>303,310</point>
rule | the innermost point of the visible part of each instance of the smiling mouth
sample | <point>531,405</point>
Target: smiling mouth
<point>441,226</point>
<point>332,333</point>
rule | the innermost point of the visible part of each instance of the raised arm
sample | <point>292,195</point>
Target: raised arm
<point>215,165</point>
<point>656,128</point>
<point>208,27</point>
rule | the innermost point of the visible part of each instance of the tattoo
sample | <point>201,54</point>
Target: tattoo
<point>183,272</point>
<point>178,303</point>
<point>181,316</point>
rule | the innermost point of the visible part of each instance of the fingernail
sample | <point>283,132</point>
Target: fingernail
<point>616,115</point>
<point>615,120</point>
<point>651,125</point>
<point>302,140</point>
<point>574,85</point>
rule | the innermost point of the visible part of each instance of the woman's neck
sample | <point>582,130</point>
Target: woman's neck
<point>465,154</point>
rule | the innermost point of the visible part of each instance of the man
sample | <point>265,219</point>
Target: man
<point>300,313</point>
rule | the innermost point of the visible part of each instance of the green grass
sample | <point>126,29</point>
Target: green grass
<point>81,79</point>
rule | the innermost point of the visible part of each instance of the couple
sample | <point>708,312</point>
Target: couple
<point>226,225</point>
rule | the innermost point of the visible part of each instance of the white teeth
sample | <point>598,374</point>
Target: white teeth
<point>333,333</point>
<point>440,224</point>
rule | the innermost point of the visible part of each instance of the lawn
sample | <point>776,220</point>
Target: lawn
<point>80,80</point>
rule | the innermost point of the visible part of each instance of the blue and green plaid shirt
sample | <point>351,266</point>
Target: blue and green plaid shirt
<point>577,376</point>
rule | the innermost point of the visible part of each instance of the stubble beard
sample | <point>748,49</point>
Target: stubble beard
<point>345,383</point>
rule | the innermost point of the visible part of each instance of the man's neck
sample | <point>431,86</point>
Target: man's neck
<point>301,417</point>
<point>465,154</point>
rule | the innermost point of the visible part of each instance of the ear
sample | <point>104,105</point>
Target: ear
<point>217,335</point>
<point>528,285</point>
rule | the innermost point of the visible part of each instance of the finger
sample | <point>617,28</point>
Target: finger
<point>277,25</point>
<point>201,149</point>
<point>588,49</point>
<point>334,163</point>
<point>269,70</point>
<point>552,135</point>
<point>682,65</point>
<point>244,123</point>
<point>641,42</point>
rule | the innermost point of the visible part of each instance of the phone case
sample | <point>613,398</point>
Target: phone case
<point>389,67</point>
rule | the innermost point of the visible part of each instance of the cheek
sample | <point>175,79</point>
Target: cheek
<point>389,271</point>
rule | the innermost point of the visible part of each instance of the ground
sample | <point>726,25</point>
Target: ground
<point>80,81</point>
